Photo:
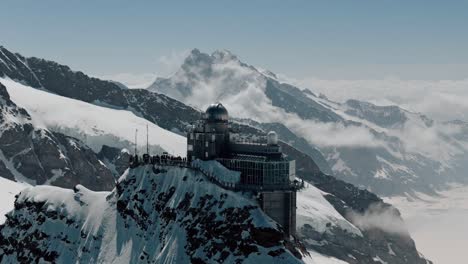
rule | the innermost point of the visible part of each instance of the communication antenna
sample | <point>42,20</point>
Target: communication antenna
<point>147,141</point>
<point>136,133</point>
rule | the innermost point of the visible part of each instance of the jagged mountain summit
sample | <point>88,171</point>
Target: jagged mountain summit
<point>384,148</point>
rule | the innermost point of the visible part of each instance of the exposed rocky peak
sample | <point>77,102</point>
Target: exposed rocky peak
<point>384,116</point>
<point>198,58</point>
<point>231,76</point>
<point>223,56</point>
<point>115,159</point>
<point>16,67</point>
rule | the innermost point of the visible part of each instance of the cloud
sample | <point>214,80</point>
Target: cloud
<point>380,217</point>
<point>168,64</point>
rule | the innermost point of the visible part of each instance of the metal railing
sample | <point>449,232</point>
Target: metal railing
<point>213,178</point>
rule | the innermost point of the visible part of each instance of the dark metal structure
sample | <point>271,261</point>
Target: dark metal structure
<point>264,169</point>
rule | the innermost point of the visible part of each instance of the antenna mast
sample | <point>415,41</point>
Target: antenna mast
<point>147,141</point>
<point>136,133</point>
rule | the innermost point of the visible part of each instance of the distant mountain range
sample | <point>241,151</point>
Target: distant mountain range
<point>385,149</point>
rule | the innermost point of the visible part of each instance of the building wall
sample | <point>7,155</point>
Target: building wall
<point>261,173</point>
<point>281,207</point>
<point>205,145</point>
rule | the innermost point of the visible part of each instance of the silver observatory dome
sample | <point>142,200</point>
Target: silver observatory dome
<point>216,112</point>
<point>272,138</point>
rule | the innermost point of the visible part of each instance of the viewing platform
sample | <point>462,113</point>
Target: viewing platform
<point>214,171</point>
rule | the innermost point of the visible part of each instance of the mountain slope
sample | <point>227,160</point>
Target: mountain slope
<point>96,125</point>
<point>60,79</point>
<point>38,156</point>
<point>386,149</point>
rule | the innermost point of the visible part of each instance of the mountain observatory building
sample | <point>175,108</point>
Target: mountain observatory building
<point>263,167</point>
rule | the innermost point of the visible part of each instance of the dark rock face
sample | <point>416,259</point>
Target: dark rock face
<point>384,116</point>
<point>156,218</point>
<point>41,156</point>
<point>292,100</point>
<point>13,65</point>
<point>115,159</point>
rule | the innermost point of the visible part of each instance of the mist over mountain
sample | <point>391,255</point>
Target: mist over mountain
<point>384,148</point>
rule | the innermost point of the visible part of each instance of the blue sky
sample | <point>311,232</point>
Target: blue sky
<point>324,39</point>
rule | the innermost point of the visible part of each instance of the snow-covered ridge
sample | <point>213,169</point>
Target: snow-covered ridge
<point>8,190</point>
<point>173,216</point>
<point>93,124</point>
<point>314,210</point>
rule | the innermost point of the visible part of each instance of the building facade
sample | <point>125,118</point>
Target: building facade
<point>264,169</point>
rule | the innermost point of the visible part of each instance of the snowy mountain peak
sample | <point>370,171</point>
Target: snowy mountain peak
<point>222,56</point>
<point>217,56</point>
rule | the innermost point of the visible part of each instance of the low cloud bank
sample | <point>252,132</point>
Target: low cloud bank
<point>380,217</point>
<point>440,99</point>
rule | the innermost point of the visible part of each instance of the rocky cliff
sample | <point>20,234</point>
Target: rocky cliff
<point>38,156</point>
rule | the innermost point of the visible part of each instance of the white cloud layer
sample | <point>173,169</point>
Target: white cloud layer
<point>438,223</point>
<point>442,100</point>
<point>379,217</point>
<point>166,65</point>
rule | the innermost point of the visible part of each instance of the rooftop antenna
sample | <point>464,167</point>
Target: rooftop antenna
<point>147,141</point>
<point>136,133</point>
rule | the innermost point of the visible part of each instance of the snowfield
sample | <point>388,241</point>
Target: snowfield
<point>94,125</point>
<point>8,190</point>
<point>313,209</point>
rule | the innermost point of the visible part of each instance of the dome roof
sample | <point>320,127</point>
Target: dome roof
<point>272,138</point>
<point>216,112</point>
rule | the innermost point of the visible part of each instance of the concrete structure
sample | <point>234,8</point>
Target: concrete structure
<point>264,169</point>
